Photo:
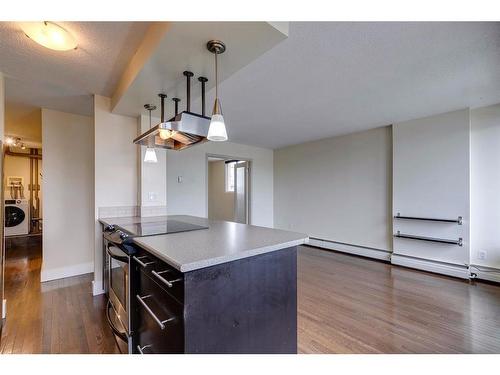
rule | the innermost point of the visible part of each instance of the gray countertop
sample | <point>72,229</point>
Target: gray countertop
<point>222,242</point>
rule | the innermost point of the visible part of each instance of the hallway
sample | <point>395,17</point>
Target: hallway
<point>58,316</point>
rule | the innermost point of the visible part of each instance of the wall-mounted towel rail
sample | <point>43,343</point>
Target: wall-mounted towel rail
<point>457,220</point>
<point>458,242</point>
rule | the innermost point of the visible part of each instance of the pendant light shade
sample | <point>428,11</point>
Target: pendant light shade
<point>150,155</point>
<point>217,130</point>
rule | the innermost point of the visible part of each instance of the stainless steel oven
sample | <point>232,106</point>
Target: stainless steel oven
<point>118,250</point>
<point>117,281</point>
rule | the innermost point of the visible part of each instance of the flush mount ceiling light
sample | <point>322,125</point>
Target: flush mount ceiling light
<point>49,35</point>
<point>217,130</point>
<point>15,141</point>
<point>150,155</point>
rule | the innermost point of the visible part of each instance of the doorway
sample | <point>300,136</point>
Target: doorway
<point>22,202</point>
<point>228,193</point>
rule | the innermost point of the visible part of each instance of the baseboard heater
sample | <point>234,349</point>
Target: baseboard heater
<point>442,268</point>
<point>460,271</point>
<point>365,251</point>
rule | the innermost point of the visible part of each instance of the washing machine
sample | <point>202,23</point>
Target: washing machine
<point>16,217</point>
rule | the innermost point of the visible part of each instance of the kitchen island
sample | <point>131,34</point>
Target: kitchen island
<point>229,288</point>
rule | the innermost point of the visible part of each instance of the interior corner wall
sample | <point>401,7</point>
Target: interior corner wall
<point>189,196</point>
<point>68,218</point>
<point>115,161</point>
<point>337,189</point>
<point>485,190</point>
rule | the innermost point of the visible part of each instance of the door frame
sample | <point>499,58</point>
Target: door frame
<point>249,180</point>
<point>246,170</point>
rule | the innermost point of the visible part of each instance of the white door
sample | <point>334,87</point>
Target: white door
<point>241,192</point>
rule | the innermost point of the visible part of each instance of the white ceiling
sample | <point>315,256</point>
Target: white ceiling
<point>326,79</point>
<point>330,79</point>
<point>65,80</point>
<point>183,47</point>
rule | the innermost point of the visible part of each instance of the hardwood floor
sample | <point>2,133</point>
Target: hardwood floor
<point>346,304</point>
<point>58,316</point>
<point>349,304</point>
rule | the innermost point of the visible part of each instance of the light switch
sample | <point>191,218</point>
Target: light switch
<point>179,179</point>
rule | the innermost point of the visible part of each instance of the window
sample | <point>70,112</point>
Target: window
<point>230,176</point>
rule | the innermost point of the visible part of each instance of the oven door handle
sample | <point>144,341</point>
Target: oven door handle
<point>115,330</point>
<point>120,258</point>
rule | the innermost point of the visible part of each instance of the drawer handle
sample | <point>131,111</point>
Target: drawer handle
<point>163,280</point>
<point>161,323</point>
<point>141,349</point>
<point>141,263</point>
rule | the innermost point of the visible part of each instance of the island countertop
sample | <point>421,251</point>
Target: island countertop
<point>222,242</point>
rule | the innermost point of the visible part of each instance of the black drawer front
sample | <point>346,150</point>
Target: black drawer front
<point>150,338</point>
<point>167,277</point>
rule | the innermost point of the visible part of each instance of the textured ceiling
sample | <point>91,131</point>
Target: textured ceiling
<point>65,80</point>
<point>329,79</point>
<point>326,79</point>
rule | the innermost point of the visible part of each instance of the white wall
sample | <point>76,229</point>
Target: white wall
<point>152,176</point>
<point>190,196</point>
<point>116,169</point>
<point>68,220</point>
<point>431,172</point>
<point>220,201</point>
<point>338,189</point>
<point>485,187</point>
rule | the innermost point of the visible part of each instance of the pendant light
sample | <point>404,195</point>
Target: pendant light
<point>217,130</point>
<point>150,155</point>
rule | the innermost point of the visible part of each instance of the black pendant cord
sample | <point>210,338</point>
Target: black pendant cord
<point>150,108</point>
<point>216,47</point>
<point>216,78</point>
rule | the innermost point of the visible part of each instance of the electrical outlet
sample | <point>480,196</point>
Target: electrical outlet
<point>481,255</point>
<point>152,196</point>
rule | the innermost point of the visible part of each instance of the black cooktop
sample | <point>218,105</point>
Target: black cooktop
<point>159,227</point>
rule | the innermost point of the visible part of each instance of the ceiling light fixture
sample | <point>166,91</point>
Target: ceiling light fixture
<point>49,35</point>
<point>217,130</point>
<point>150,155</point>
